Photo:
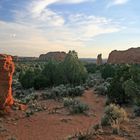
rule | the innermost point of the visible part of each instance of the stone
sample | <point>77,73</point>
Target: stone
<point>130,56</point>
<point>6,72</point>
<point>99,59</point>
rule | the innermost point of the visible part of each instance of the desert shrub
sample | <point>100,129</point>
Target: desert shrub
<point>29,97</point>
<point>27,79</point>
<point>75,91</point>
<point>135,73</point>
<point>75,106</point>
<point>131,91</point>
<point>63,91</point>
<point>91,68</point>
<point>101,89</point>
<point>94,80</point>
<point>50,72</point>
<point>137,110</point>
<point>47,95</point>
<point>59,91</point>
<point>116,93</point>
<point>68,102</point>
<point>40,82</point>
<point>53,73</point>
<point>113,114</point>
<point>107,71</point>
<point>107,101</point>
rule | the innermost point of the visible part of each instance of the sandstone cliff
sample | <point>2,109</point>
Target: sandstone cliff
<point>58,56</point>
<point>6,73</point>
<point>130,56</point>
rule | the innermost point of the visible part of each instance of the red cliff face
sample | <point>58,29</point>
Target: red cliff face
<point>6,72</point>
<point>130,56</point>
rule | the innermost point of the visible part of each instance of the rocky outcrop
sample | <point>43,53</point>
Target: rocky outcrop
<point>130,56</point>
<point>58,56</point>
<point>99,59</point>
<point>6,72</point>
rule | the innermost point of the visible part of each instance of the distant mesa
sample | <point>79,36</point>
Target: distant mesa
<point>58,56</point>
<point>20,59</point>
<point>130,56</point>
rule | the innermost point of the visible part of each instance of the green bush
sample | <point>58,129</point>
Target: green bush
<point>101,89</point>
<point>47,95</point>
<point>131,91</point>
<point>107,71</point>
<point>75,91</point>
<point>75,106</point>
<point>27,79</point>
<point>91,68</point>
<point>40,82</point>
<point>29,97</point>
<point>137,110</point>
<point>116,93</point>
<point>74,70</point>
<point>113,114</point>
<point>63,91</point>
<point>50,73</point>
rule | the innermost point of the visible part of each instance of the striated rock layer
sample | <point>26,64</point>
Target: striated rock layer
<point>130,56</point>
<point>6,72</point>
<point>58,56</point>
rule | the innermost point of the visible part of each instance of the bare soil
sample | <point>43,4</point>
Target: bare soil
<point>55,123</point>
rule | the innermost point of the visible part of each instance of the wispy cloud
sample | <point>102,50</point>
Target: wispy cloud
<point>117,2</point>
<point>39,28</point>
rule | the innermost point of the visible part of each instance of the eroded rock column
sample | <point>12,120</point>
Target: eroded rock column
<point>6,73</point>
<point>99,59</point>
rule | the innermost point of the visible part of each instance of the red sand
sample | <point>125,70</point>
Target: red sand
<point>45,126</point>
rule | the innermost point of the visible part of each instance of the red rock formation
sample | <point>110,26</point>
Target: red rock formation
<point>58,56</point>
<point>6,72</point>
<point>130,56</point>
<point>99,59</point>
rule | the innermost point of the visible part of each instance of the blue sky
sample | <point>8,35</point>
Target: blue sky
<point>32,27</point>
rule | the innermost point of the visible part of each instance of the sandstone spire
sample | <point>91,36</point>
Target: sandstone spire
<point>99,59</point>
<point>6,72</point>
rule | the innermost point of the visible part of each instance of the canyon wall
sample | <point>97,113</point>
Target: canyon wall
<point>130,56</point>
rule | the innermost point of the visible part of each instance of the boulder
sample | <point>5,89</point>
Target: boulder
<point>6,72</point>
<point>130,56</point>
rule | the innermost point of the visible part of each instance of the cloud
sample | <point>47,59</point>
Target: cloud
<point>117,2</point>
<point>40,29</point>
<point>87,27</point>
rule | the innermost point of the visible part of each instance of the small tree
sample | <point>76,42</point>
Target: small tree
<point>74,70</point>
<point>116,92</point>
<point>107,71</point>
<point>50,72</point>
<point>27,79</point>
<point>131,90</point>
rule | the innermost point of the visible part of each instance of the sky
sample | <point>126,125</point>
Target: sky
<point>90,27</point>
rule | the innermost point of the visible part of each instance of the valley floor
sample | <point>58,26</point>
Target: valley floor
<point>55,123</point>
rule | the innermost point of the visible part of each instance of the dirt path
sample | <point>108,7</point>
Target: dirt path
<point>44,126</point>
